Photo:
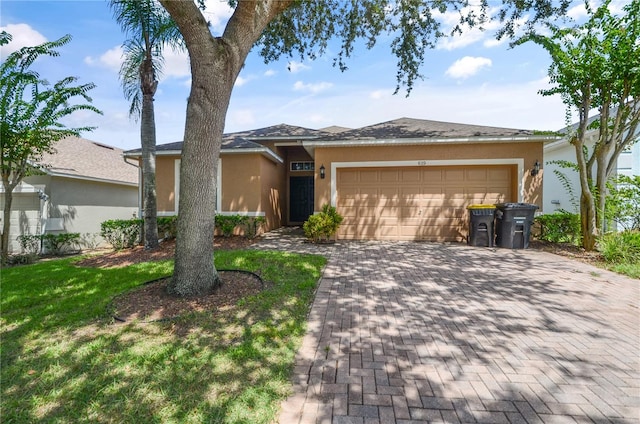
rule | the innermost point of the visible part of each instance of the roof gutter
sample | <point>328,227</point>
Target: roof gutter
<point>266,152</point>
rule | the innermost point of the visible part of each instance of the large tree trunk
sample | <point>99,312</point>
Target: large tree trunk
<point>148,140</point>
<point>6,224</point>
<point>215,65</point>
<point>194,271</point>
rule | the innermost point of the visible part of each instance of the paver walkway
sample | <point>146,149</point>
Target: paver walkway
<point>425,332</point>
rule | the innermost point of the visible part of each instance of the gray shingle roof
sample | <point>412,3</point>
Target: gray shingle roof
<point>82,158</point>
<point>422,128</point>
<point>402,128</point>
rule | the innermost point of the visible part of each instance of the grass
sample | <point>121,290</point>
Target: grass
<point>630,269</point>
<point>63,359</point>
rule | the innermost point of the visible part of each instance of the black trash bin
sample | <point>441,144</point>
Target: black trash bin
<point>481,225</point>
<point>513,224</point>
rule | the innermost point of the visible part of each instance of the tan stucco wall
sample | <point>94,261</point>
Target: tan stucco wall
<point>241,189</point>
<point>529,152</point>
<point>165,183</point>
<point>273,198</point>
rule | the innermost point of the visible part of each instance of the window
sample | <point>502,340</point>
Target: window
<point>302,166</point>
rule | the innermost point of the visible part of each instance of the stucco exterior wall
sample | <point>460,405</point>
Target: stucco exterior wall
<point>166,184</point>
<point>25,217</point>
<point>241,187</point>
<point>523,155</point>
<point>84,205</point>
<point>272,193</point>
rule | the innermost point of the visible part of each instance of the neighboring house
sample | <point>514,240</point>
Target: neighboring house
<point>81,185</point>
<point>406,179</point>
<point>556,195</point>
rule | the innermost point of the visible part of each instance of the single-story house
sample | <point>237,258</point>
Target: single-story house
<point>406,179</point>
<point>557,196</point>
<point>74,190</point>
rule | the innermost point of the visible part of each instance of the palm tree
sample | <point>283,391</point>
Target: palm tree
<point>150,29</point>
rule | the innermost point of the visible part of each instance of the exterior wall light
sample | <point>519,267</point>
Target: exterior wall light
<point>536,168</point>
<point>322,170</point>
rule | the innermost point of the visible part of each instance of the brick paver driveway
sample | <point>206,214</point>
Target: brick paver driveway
<point>422,332</point>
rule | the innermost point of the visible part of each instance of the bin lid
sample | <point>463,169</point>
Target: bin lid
<point>481,206</point>
<point>525,206</point>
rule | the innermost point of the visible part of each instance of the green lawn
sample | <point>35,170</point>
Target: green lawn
<point>63,360</point>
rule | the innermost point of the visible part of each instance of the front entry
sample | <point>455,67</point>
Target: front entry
<point>300,198</point>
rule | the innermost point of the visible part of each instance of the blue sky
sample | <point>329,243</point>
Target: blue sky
<point>468,79</point>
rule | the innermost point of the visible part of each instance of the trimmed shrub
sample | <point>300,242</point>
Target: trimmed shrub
<point>559,227</point>
<point>227,224</point>
<point>29,243</point>
<point>322,226</point>
<point>122,233</point>
<point>253,225</point>
<point>62,242</point>
<point>620,247</point>
<point>168,227</point>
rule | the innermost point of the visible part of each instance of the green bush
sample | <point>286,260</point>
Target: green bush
<point>322,226</point>
<point>623,202</point>
<point>252,226</point>
<point>226,224</point>
<point>22,259</point>
<point>59,243</point>
<point>122,233</point>
<point>167,227</point>
<point>29,243</point>
<point>622,247</point>
<point>559,227</point>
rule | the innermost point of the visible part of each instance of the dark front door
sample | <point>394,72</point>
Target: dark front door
<point>300,198</point>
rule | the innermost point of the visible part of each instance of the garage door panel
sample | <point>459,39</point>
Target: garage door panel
<point>498,174</point>
<point>456,174</point>
<point>410,176</point>
<point>432,176</point>
<point>389,176</point>
<point>347,176</point>
<point>369,177</point>
<point>427,203</point>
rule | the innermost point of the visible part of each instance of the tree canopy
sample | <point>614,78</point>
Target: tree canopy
<point>31,115</point>
<point>596,70</point>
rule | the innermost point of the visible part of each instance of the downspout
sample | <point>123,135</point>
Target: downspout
<point>139,185</point>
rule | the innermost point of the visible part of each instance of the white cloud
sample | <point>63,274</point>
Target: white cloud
<point>176,64</point>
<point>312,88</point>
<point>296,67</point>
<point>111,59</point>
<point>269,73</point>
<point>467,66</point>
<point>240,81</point>
<point>469,35</point>
<point>379,94</point>
<point>217,13</point>
<point>22,35</point>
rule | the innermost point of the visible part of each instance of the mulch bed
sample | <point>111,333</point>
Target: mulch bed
<point>152,302</point>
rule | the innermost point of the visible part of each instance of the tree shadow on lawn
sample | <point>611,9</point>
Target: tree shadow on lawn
<point>204,367</point>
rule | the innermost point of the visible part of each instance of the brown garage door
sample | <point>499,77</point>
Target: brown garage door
<point>426,203</point>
